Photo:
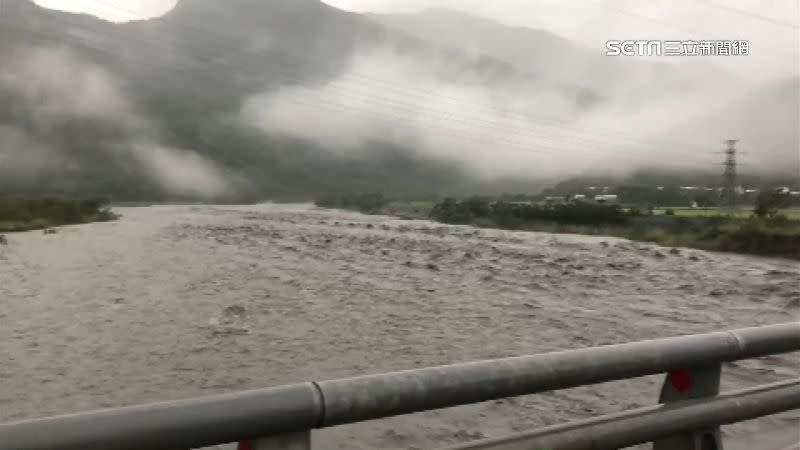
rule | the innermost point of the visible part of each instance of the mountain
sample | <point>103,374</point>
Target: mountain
<point>289,99</point>
<point>162,108</point>
<point>533,50</point>
<point>677,115</point>
<point>543,53</point>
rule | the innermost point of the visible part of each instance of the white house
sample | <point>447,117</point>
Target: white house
<point>609,198</point>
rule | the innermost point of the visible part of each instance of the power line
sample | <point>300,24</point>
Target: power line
<point>780,54</point>
<point>456,132</point>
<point>749,14</point>
<point>664,23</point>
<point>709,3</point>
<point>589,134</point>
<point>378,99</point>
<point>291,60</point>
<point>539,142</point>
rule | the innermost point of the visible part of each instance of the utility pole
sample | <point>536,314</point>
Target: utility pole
<point>729,175</point>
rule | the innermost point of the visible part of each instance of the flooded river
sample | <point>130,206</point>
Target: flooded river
<point>179,301</point>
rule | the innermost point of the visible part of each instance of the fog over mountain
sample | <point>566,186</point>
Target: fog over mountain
<point>546,54</point>
<point>249,99</point>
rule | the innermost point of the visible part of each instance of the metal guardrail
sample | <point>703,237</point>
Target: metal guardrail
<point>282,417</point>
<point>654,422</point>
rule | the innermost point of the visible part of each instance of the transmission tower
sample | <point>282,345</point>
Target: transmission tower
<point>729,176</point>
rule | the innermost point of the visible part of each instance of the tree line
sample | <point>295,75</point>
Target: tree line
<point>20,213</point>
<point>506,214</point>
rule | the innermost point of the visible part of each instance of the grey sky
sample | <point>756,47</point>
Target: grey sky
<point>775,48</point>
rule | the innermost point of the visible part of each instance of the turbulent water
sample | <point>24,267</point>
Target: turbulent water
<point>178,301</point>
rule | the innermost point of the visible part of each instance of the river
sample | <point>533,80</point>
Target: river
<point>172,302</point>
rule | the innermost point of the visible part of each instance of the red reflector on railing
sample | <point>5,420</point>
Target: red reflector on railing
<point>681,380</point>
<point>245,445</point>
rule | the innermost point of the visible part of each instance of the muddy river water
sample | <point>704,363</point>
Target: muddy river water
<point>172,302</point>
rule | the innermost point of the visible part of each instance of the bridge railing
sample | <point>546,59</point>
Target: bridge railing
<point>690,411</point>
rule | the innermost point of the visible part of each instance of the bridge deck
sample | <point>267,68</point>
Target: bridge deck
<point>784,438</point>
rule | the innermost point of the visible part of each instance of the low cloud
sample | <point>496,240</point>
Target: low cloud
<point>54,86</point>
<point>23,157</point>
<point>182,172</point>
<point>58,84</point>
<point>513,126</point>
<point>426,105</point>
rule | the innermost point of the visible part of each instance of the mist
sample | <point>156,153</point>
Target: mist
<point>182,172</point>
<point>56,87</point>
<point>23,157</point>
<point>55,83</point>
<point>515,127</point>
<point>427,105</point>
<point>252,106</point>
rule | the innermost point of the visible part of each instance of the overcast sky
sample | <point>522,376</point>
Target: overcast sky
<point>771,26</point>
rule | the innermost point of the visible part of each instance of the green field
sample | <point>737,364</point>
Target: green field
<point>745,212</point>
<point>420,209</point>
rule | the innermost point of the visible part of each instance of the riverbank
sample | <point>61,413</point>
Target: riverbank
<point>19,214</point>
<point>776,237</point>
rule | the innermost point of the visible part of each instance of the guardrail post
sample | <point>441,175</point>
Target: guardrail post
<point>685,384</point>
<point>294,441</point>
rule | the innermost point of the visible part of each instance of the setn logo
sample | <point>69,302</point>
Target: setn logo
<point>633,48</point>
<point>678,48</point>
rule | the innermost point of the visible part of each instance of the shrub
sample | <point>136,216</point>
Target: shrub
<point>478,207</point>
<point>780,220</point>
<point>371,203</point>
<point>635,211</point>
<point>511,215</point>
<point>681,224</point>
<point>19,214</point>
<point>769,203</point>
<point>754,237</point>
<point>452,211</point>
